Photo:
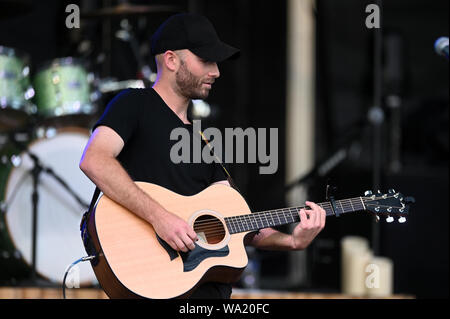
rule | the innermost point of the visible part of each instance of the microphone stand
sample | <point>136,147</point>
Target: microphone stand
<point>36,171</point>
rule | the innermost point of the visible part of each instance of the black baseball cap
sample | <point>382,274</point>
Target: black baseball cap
<point>193,32</point>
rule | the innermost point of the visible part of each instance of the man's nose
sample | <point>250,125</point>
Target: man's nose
<point>214,72</point>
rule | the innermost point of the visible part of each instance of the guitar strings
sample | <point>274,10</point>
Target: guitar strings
<point>254,216</point>
<point>213,223</point>
<point>214,227</point>
<point>346,204</point>
<point>271,214</point>
<point>326,206</point>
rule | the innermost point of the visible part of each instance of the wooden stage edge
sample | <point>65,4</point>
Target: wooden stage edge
<point>92,293</point>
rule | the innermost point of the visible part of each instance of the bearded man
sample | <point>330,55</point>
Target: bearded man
<point>131,142</point>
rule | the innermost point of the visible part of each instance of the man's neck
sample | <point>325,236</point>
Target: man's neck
<point>174,101</point>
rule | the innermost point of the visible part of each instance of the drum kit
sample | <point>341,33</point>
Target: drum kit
<point>45,118</point>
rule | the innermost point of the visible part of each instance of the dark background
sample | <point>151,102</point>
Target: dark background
<point>252,93</point>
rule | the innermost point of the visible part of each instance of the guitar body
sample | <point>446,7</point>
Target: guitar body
<point>134,262</point>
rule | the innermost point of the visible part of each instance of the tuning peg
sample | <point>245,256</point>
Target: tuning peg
<point>391,191</point>
<point>402,220</point>
<point>390,219</point>
<point>367,193</point>
<point>378,192</point>
<point>377,218</point>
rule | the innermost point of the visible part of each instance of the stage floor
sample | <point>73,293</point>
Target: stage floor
<point>92,293</point>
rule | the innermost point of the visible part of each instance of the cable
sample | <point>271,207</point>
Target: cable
<point>86,258</point>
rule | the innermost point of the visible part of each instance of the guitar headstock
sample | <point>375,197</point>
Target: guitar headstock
<point>390,205</point>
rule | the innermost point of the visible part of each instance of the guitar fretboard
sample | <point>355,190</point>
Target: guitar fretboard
<point>278,217</point>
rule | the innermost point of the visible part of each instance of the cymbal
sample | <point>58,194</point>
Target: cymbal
<point>13,8</point>
<point>128,10</point>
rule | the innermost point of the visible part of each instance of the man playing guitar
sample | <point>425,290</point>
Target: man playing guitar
<point>131,142</point>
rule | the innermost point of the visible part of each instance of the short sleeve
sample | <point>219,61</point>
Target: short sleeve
<point>122,114</point>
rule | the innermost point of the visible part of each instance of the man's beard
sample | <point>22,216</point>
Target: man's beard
<point>189,85</point>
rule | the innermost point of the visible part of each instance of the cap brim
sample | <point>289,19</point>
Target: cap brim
<point>217,53</point>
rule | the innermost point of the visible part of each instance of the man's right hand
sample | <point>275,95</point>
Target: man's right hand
<point>100,164</point>
<point>175,231</point>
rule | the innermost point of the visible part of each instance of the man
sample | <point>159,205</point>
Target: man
<point>131,142</point>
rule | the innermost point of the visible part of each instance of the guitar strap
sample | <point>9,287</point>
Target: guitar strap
<point>229,178</point>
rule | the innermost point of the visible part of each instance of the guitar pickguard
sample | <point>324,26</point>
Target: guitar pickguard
<point>194,257</point>
<point>172,252</point>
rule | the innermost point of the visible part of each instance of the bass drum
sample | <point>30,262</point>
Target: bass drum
<point>58,241</point>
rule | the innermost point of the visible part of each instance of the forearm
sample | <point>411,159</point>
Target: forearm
<point>271,239</point>
<point>109,175</point>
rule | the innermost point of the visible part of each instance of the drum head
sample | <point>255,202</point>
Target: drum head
<point>59,214</point>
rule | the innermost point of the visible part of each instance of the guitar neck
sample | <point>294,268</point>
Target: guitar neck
<point>284,216</point>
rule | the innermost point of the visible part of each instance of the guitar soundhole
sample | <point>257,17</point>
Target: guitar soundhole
<point>209,229</point>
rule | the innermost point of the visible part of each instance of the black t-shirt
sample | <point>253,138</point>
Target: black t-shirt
<point>144,122</point>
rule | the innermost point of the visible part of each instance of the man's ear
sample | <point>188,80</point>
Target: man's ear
<point>171,60</point>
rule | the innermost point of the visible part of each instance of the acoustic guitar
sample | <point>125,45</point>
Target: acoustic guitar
<point>133,262</point>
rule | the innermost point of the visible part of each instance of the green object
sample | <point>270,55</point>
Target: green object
<point>14,79</point>
<point>62,88</point>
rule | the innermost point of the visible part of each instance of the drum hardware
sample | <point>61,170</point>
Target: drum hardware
<point>46,132</point>
<point>126,34</point>
<point>112,85</point>
<point>35,172</point>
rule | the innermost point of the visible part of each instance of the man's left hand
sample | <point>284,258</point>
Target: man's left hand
<point>312,221</point>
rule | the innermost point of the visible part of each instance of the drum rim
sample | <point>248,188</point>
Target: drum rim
<point>67,129</point>
<point>14,52</point>
<point>51,111</point>
<point>60,62</point>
